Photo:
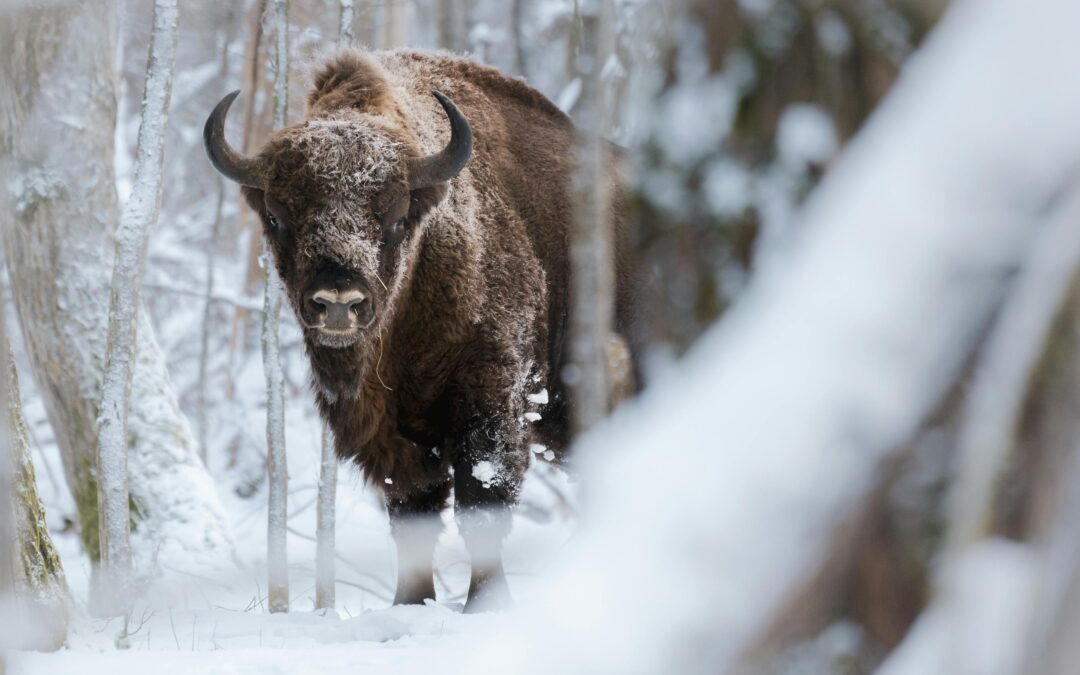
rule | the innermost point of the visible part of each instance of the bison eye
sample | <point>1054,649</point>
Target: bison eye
<point>273,222</point>
<point>394,233</point>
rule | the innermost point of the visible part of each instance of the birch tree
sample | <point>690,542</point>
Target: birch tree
<point>345,24</point>
<point>276,465</point>
<point>328,466</point>
<point>325,524</point>
<point>57,114</point>
<point>592,267</point>
<point>139,215</point>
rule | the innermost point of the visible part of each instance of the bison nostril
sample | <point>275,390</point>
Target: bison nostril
<point>357,305</point>
<point>338,310</point>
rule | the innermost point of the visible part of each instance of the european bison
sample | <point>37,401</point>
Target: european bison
<point>422,241</point>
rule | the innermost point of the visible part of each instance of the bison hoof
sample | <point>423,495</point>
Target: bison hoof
<point>488,594</point>
<point>414,595</point>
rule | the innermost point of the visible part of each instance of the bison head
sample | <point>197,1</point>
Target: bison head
<point>342,198</point>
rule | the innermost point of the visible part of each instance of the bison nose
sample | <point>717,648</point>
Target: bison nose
<point>340,310</point>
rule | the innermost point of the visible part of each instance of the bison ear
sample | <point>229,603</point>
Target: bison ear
<point>254,197</point>
<point>422,200</point>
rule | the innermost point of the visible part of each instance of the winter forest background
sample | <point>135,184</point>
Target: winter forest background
<point>858,451</point>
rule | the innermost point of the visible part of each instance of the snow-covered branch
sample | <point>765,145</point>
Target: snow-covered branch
<point>781,419</point>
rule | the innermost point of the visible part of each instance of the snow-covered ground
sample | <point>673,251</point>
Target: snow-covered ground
<point>195,618</point>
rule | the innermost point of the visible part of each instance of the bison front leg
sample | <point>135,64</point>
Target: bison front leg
<point>415,525</point>
<point>488,471</point>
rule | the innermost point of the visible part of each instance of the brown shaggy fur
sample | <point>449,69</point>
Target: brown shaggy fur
<point>470,305</point>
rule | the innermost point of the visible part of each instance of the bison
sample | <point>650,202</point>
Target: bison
<point>418,218</point>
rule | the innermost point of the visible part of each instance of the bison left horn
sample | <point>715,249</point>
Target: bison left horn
<point>447,163</point>
<point>233,165</point>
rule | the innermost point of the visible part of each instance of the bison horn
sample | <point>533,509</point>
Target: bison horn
<point>447,163</point>
<point>231,164</point>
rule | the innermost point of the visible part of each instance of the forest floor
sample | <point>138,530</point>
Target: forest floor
<point>217,621</point>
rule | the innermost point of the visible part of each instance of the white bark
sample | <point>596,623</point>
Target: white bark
<point>592,268</point>
<point>57,115</point>
<point>325,524</point>
<point>276,465</point>
<point>345,25</point>
<point>139,216</point>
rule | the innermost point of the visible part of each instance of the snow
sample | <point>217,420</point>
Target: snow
<point>485,473</point>
<point>728,188</point>
<point>805,135</point>
<point>833,34</point>
<point>981,623</point>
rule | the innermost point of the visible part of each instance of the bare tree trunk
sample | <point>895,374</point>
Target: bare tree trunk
<point>40,574</point>
<point>211,257</point>
<point>366,26</point>
<point>31,575</point>
<point>444,11</point>
<point>57,114</point>
<point>591,258</point>
<point>325,524</point>
<point>466,21</point>
<point>517,29</point>
<point>395,27</point>
<point>277,466</point>
<point>241,329</point>
<point>7,511</point>
<point>325,517</point>
<point>345,25</point>
<point>139,215</point>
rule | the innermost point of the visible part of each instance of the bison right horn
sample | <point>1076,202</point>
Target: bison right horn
<point>231,164</point>
<point>447,163</point>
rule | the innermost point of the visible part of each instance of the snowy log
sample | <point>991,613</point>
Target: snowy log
<point>783,417</point>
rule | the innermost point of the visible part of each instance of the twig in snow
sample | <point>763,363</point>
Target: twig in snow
<point>176,638</point>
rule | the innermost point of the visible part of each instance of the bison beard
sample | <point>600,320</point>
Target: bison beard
<point>429,275</point>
